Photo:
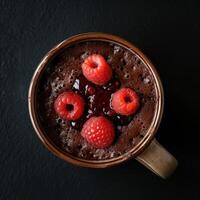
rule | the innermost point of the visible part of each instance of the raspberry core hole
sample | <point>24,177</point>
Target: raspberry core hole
<point>127,99</point>
<point>94,65</point>
<point>69,107</point>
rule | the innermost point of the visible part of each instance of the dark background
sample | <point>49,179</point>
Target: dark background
<point>167,32</point>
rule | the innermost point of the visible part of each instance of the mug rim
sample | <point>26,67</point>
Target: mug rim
<point>136,150</point>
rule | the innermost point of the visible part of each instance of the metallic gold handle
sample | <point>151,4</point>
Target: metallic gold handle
<point>158,160</point>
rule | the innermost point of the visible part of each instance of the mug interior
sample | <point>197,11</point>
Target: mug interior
<point>35,116</point>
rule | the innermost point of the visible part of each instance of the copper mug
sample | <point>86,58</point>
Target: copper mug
<point>148,151</point>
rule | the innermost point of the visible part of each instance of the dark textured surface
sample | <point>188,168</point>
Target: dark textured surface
<point>167,32</point>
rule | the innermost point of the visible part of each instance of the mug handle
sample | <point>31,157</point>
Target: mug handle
<point>156,158</point>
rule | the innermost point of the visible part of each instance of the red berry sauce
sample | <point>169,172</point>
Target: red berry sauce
<point>98,102</point>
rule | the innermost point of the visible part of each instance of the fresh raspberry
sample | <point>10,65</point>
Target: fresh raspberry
<point>125,101</point>
<point>69,105</point>
<point>96,69</point>
<point>98,131</point>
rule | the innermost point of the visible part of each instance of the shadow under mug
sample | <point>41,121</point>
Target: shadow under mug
<point>148,151</point>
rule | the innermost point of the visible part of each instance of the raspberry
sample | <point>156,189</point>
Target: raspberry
<point>125,101</point>
<point>96,69</point>
<point>69,105</point>
<point>98,131</point>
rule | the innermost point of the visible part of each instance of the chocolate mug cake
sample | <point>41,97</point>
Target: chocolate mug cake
<point>64,73</point>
